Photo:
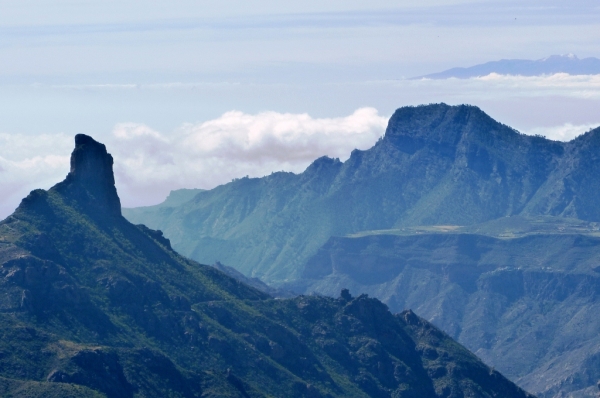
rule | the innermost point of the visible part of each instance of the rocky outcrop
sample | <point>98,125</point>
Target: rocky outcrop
<point>91,181</point>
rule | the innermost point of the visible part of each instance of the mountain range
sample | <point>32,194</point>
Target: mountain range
<point>491,234</point>
<point>92,305</point>
<point>553,64</point>
<point>436,164</point>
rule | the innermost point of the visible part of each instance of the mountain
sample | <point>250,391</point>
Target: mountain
<point>436,164</point>
<point>439,169</point>
<point>522,294</point>
<point>569,64</point>
<point>92,305</point>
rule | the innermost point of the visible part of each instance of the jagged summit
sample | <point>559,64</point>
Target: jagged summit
<point>91,181</point>
<point>323,162</point>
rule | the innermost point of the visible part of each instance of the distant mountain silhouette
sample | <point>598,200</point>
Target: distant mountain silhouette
<point>521,67</point>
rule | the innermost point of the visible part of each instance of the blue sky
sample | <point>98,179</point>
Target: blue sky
<point>70,67</point>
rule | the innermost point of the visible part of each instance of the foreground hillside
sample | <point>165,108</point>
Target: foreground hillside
<point>436,164</point>
<point>92,305</point>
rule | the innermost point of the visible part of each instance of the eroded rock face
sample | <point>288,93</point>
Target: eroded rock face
<point>91,181</point>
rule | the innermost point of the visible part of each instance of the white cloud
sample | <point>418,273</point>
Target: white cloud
<point>565,132</point>
<point>148,163</point>
<point>30,162</point>
<point>586,86</point>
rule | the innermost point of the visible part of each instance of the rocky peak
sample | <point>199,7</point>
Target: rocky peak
<point>91,181</point>
<point>436,122</point>
<point>90,162</point>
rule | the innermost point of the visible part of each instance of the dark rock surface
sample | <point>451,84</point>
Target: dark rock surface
<point>91,181</point>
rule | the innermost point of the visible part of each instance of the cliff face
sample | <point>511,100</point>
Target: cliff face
<point>91,182</point>
<point>92,305</point>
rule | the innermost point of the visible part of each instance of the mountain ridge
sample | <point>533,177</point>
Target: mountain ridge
<point>500,296</point>
<point>436,164</point>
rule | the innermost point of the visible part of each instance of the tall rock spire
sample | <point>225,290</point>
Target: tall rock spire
<point>91,182</point>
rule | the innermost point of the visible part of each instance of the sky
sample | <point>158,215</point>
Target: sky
<point>191,94</point>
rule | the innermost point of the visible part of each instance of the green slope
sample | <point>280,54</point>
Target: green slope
<point>92,305</point>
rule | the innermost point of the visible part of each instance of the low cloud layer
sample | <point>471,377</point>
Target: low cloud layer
<point>566,132</point>
<point>502,86</point>
<point>234,145</point>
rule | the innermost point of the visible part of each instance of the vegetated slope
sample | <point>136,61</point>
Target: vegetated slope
<point>527,304</point>
<point>553,64</point>
<point>91,305</point>
<point>436,164</point>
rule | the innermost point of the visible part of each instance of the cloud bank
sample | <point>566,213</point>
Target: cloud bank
<point>505,86</point>
<point>565,132</point>
<point>150,163</point>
